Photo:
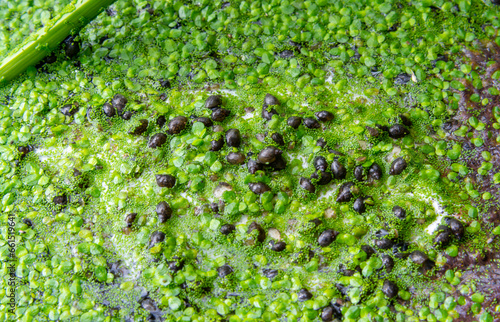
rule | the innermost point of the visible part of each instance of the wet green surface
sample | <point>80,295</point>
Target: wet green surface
<point>366,62</point>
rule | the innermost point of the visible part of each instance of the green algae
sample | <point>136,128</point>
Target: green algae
<point>76,243</point>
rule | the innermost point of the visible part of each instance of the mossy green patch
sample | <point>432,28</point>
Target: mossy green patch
<point>368,63</point>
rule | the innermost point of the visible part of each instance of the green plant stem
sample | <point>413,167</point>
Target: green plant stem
<point>73,17</point>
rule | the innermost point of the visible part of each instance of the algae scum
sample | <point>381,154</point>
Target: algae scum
<point>254,161</point>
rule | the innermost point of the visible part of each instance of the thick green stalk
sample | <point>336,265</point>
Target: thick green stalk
<point>74,17</point>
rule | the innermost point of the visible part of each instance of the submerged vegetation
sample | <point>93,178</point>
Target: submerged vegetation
<point>254,161</point>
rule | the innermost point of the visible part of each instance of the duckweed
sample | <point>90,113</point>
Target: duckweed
<point>254,161</point>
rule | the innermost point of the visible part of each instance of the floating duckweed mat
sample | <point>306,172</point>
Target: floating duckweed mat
<point>20,19</point>
<point>254,161</point>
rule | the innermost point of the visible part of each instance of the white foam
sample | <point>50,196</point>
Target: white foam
<point>303,158</point>
<point>228,91</point>
<point>52,153</point>
<point>188,197</point>
<point>124,253</point>
<point>328,192</point>
<point>243,220</point>
<point>440,214</point>
<point>248,116</point>
<point>436,202</point>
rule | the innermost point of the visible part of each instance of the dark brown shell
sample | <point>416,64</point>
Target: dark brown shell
<point>177,124</point>
<point>165,180</point>
<point>157,140</point>
<point>235,158</point>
